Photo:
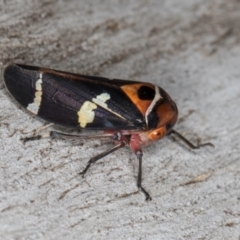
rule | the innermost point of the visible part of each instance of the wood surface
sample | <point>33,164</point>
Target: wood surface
<point>189,48</point>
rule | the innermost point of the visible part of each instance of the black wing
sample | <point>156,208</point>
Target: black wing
<point>73,100</point>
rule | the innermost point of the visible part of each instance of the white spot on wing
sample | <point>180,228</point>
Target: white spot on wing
<point>34,107</point>
<point>101,99</point>
<point>86,114</point>
<point>150,108</point>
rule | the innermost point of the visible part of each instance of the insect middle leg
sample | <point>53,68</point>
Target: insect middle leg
<point>139,179</point>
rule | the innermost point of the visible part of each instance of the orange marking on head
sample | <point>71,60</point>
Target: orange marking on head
<point>132,93</point>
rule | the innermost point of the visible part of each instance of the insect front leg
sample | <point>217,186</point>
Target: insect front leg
<point>188,143</point>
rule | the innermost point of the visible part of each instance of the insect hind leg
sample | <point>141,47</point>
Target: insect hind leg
<point>36,137</point>
<point>60,135</point>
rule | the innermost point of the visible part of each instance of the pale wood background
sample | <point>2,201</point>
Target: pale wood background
<point>192,50</point>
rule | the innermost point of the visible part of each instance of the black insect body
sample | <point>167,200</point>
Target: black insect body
<point>129,112</point>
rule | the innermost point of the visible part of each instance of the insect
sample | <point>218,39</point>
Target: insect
<point>128,112</point>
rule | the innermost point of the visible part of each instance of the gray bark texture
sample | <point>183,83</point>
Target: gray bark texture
<point>191,48</point>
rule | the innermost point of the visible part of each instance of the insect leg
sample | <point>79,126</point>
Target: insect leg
<point>36,137</point>
<point>101,155</point>
<point>55,134</point>
<point>139,155</point>
<point>191,145</point>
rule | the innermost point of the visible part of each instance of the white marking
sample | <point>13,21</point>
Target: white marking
<point>154,101</point>
<point>34,107</point>
<point>86,114</point>
<point>101,99</point>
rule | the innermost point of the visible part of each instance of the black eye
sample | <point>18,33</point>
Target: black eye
<point>146,93</point>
